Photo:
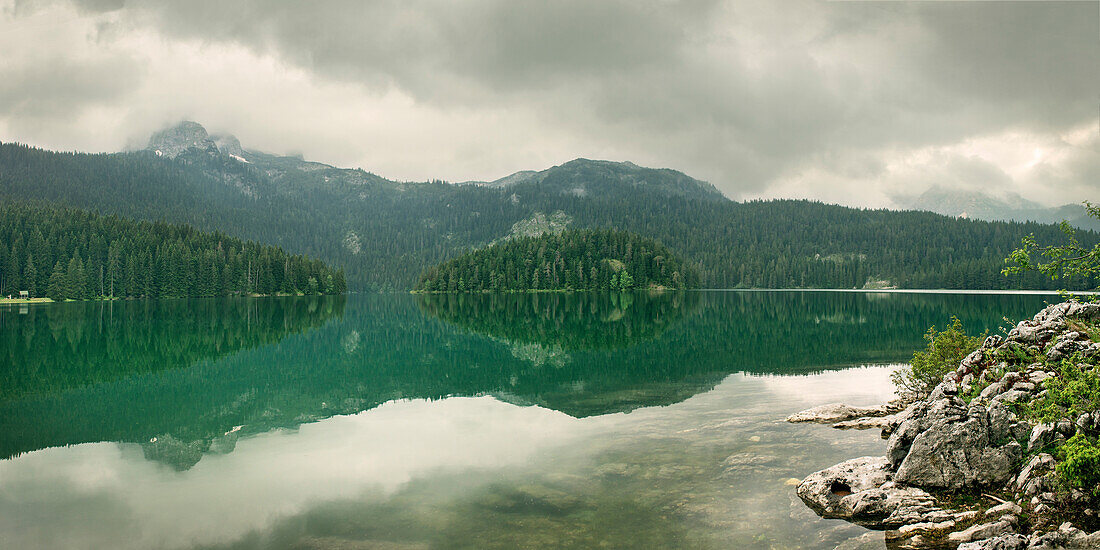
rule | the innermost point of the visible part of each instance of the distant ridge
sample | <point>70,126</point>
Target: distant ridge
<point>582,177</point>
<point>1000,207</point>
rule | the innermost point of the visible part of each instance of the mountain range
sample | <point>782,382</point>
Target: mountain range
<point>385,232</point>
<point>1003,207</point>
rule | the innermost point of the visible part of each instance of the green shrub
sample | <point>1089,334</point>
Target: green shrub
<point>1081,465</point>
<point>976,389</point>
<point>944,352</point>
<point>1075,390</point>
<point>1014,353</point>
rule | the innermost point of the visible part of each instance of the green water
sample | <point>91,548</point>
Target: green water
<point>394,421</point>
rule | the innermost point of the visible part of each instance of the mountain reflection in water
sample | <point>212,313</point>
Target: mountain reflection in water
<point>450,421</point>
<point>189,378</point>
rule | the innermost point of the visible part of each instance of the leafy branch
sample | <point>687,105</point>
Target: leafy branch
<point>1071,260</point>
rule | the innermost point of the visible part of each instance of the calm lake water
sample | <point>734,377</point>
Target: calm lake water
<point>399,422</point>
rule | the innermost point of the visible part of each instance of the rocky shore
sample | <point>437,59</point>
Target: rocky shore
<point>974,465</point>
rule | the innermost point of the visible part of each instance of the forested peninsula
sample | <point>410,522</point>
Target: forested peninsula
<point>70,254</point>
<point>585,259</point>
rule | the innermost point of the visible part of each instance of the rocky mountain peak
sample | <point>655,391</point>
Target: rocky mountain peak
<point>172,141</point>
<point>228,144</point>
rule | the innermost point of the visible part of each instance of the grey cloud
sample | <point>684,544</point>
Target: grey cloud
<point>1040,61</point>
<point>58,87</point>
<point>1076,178</point>
<point>426,46</point>
<point>739,93</point>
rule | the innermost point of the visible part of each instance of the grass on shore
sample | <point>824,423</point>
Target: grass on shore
<point>24,300</point>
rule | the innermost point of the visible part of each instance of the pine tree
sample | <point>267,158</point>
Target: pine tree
<point>56,289</point>
<point>30,275</point>
<point>76,284</point>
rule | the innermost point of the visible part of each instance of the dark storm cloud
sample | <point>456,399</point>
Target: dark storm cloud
<point>742,93</point>
<point>444,50</point>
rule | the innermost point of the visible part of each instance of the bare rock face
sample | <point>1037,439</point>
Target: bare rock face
<point>1032,479</point>
<point>952,451</point>
<point>173,141</point>
<point>866,423</point>
<point>860,491</point>
<point>170,142</point>
<point>916,419</point>
<point>228,144</point>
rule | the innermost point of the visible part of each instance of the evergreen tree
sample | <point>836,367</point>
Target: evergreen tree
<point>30,275</point>
<point>625,280</point>
<point>56,289</point>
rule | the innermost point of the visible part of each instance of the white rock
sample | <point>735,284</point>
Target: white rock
<point>836,412</point>
<point>981,531</point>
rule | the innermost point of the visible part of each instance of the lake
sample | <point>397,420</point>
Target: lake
<point>446,421</point>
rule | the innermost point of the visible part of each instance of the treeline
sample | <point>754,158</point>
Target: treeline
<point>586,259</point>
<point>72,254</point>
<point>806,244</point>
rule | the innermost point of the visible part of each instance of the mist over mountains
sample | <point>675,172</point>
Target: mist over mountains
<point>1005,206</point>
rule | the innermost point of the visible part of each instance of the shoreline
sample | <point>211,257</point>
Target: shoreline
<point>906,291</point>
<point>980,462</point>
<point>22,301</point>
<point>975,292</point>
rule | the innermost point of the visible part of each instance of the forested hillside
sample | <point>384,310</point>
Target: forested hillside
<point>72,254</point>
<point>587,259</point>
<point>385,233</point>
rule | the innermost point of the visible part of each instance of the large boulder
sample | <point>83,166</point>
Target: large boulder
<point>951,447</point>
<point>915,420</point>
<point>860,491</point>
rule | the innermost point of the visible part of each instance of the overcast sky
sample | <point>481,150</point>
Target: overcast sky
<point>855,103</point>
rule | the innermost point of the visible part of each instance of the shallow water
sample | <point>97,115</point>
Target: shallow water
<point>625,421</point>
